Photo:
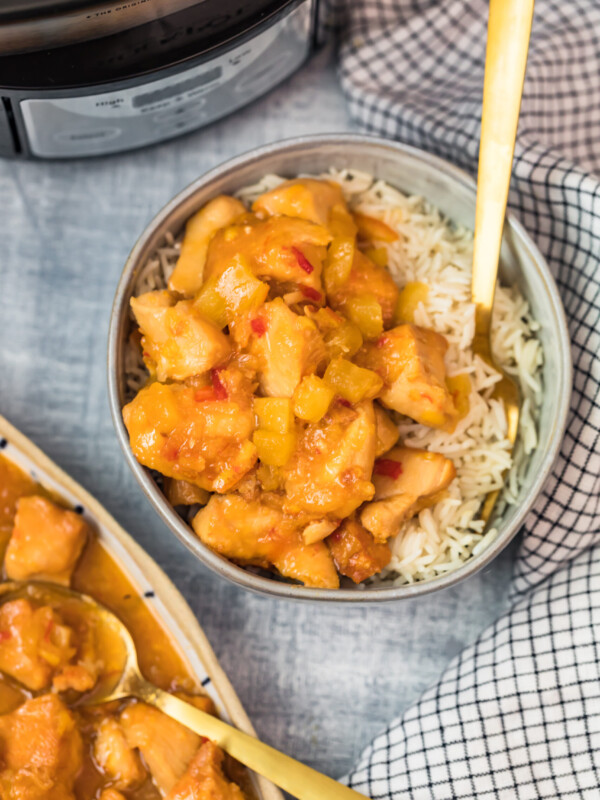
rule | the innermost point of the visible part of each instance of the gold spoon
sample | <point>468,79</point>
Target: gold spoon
<point>287,773</point>
<point>509,27</point>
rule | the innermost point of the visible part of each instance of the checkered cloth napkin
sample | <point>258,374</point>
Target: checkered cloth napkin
<point>517,714</point>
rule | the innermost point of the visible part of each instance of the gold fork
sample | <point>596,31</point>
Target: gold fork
<point>509,28</point>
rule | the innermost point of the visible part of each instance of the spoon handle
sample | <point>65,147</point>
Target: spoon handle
<point>509,27</point>
<point>287,773</point>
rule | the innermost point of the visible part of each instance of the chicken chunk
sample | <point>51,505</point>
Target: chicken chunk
<point>406,480</point>
<point>287,347</point>
<point>330,471</point>
<point>177,340</point>
<point>306,198</point>
<point>355,552</point>
<point>34,644</point>
<point>408,470</point>
<point>366,278</point>
<point>117,760</point>
<point>167,747</point>
<point>204,778</point>
<point>188,274</point>
<point>282,250</point>
<point>257,532</point>
<point>386,431</point>
<point>112,794</point>
<point>46,541</point>
<point>199,434</point>
<point>411,362</point>
<point>41,751</point>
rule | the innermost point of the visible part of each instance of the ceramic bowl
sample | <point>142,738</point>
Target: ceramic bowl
<point>453,192</point>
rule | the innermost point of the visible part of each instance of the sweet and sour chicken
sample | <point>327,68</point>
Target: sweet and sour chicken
<point>51,652</point>
<point>281,357</point>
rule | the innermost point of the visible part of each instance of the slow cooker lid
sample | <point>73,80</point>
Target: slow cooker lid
<point>165,41</point>
<point>24,9</point>
<point>38,24</point>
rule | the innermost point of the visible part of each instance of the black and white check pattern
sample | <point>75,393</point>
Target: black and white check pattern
<point>518,714</point>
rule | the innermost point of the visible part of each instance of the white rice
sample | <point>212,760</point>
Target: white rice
<point>433,251</point>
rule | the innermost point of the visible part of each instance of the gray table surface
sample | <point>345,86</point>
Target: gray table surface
<point>318,682</point>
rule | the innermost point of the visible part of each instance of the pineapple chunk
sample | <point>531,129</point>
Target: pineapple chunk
<point>345,341</point>
<point>312,398</point>
<point>355,552</point>
<point>459,387</point>
<point>257,532</point>
<point>287,348</point>
<point>211,304</point>
<point>378,256</point>
<point>373,229</point>
<point>111,794</point>
<point>274,449</point>
<point>366,313</point>
<point>240,288</point>
<point>351,382</point>
<point>274,414</point>
<point>232,292</point>
<point>411,362</point>
<point>176,338</point>
<point>199,230</point>
<point>117,760</point>
<point>269,478</point>
<point>411,295</point>
<point>46,541</point>
<point>386,430</point>
<point>366,279</point>
<point>337,268</point>
<point>341,337</point>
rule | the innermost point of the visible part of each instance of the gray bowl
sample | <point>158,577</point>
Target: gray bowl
<point>453,192</point>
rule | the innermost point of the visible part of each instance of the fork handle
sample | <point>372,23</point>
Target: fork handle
<point>287,773</point>
<point>509,28</point>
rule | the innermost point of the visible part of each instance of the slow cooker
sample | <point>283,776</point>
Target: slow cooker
<point>85,79</point>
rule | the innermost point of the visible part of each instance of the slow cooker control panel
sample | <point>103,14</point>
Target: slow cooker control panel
<point>110,121</point>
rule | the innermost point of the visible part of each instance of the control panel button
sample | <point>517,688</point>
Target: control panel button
<point>87,136</point>
<point>182,112</point>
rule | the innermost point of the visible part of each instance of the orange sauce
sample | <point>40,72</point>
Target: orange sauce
<point>14,483</point>
<point>98,575</point>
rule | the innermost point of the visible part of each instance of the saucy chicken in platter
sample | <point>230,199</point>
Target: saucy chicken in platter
<point>51,652</point>
<point>281,358</point>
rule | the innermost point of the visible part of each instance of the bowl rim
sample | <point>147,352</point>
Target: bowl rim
<point>270,586</point>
